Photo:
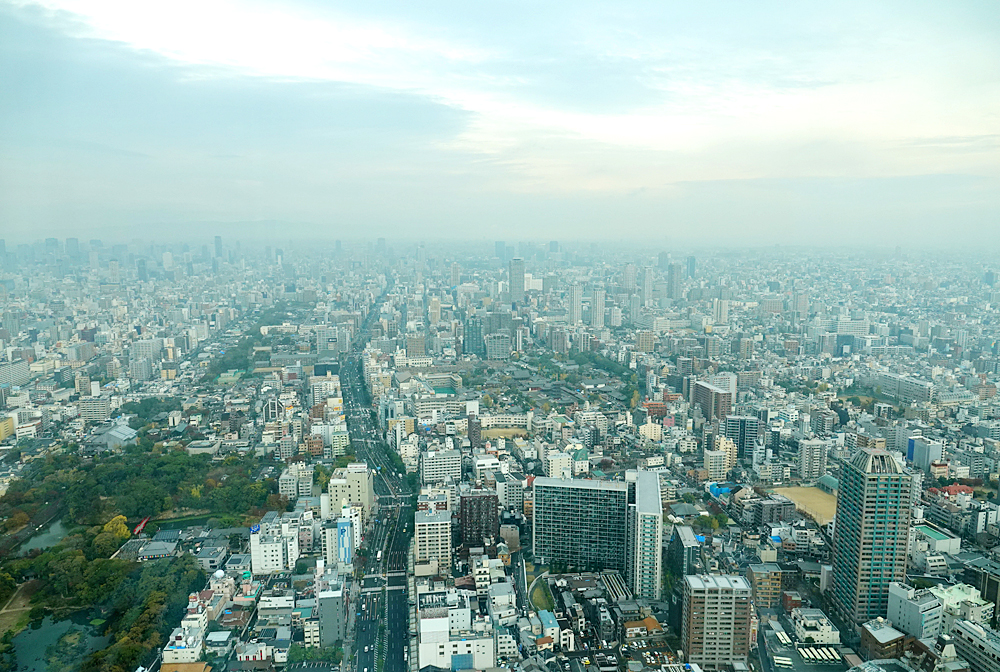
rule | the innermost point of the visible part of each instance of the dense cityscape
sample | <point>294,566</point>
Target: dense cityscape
<point>392,456</point>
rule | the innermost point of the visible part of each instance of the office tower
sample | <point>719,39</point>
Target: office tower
<point>634,308</point>
<point>140,270</point>
<point>168,261</point>
<point>472,338</point>
<point>646,289</point>
<point>871,535</point>
<point>662,260</point>
<point>218,247</point>
<point>500,250</point>
<point>628,281</point>
<point>812,459</point>
<point>597,309</point>
<point>432,539</point>
<point>714,402</point>
<point>575,298</point>
<point>114,273</point>
<point>743,430</point>
<point>720,311</point>
<point>675,281</point>
<point>924,452</point>
<point>580,523</point>
<point>691,262</point>
<point>456,275</point>
<point>645,526</point>
<point>72,247</point>
<point>434,310</point>
<point>479,518</point>
<point>715,630</point>
<point>553,246</point>
<point>516,276</point>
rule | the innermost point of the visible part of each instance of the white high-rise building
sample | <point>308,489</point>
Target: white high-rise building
<point>597,309</point>
<point>432,539</point>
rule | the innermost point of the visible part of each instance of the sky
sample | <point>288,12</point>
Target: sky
<point>677,123</point>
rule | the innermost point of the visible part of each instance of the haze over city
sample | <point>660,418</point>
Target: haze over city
<point>510,337</point>
<point>736,123</point>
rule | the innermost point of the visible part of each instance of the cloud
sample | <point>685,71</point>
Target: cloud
<point>315,110</point>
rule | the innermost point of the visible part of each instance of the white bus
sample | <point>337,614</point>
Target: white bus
<point>783,662</point>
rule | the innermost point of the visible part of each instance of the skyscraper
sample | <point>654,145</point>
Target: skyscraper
<point>871,534</point>
<point>646,290</point>
<point>675,281</point>
<point>516,274</point>
<point>691,266</point>
<point>575,303</point>
<point>218,246</point>
<point>645,529</point>
<point>628,279</point>
<point>597,309</point>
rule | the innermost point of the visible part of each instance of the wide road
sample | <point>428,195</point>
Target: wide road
<point>383,625</point>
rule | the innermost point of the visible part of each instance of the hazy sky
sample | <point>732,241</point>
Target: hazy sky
<point>673,121</point>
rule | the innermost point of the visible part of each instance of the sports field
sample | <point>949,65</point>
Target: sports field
<point>822,506</point>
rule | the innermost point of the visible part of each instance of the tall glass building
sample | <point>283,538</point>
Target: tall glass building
<point>871,534</point>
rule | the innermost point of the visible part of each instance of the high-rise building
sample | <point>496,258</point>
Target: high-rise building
<point>479,517</point>
<point>580,522</point>
<point>432,538</point>
<point>628,278</point>
<point>715,462</point>
<point>597,309</point>
<point>675,281</point>
<point>715,630</point>
<point>575,300</point>
<point>714,402</point>
<point>812,459</point>
<point>218,247</point>
<point>472,337</point>
<point>599,525</point>
<point>646,288</point>
<point>872,534</point>
<point>516,276</point>
<point>645,543</point>
<point>742,430</point>
<point>691,266</point>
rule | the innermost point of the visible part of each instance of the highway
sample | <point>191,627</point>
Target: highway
<point>382,616</point>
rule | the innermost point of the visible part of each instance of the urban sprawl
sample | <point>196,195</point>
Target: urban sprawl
<point>400,457</point>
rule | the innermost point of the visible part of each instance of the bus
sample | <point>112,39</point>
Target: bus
<point>782,661</point>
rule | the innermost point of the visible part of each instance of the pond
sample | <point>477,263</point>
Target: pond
<point>59,645</point>
<point>47,538</point>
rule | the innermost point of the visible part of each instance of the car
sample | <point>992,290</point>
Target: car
<point>366,649</point>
